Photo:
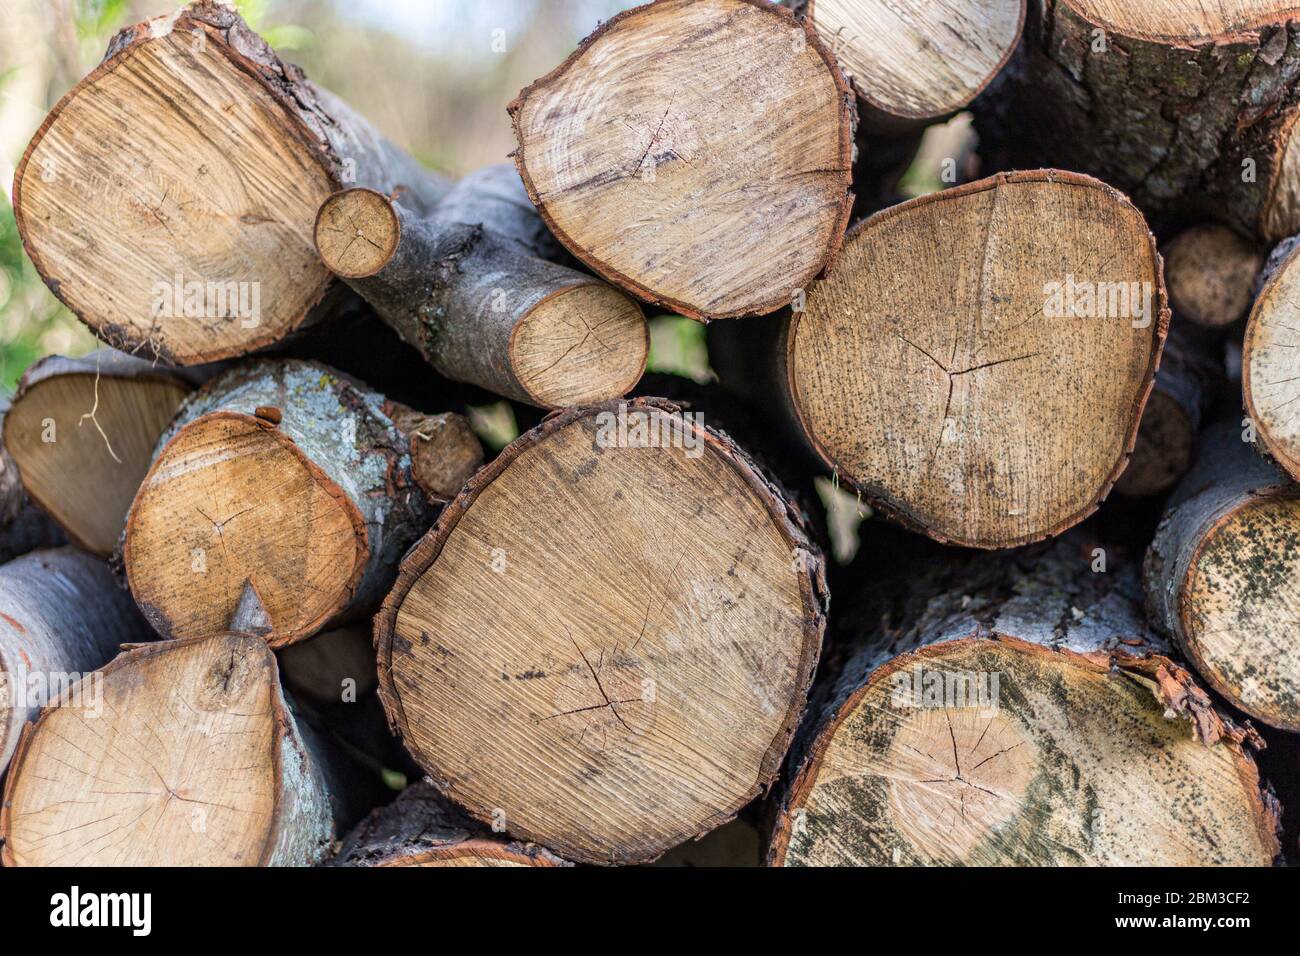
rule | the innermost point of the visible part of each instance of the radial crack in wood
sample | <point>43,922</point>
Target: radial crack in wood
<point>1022,715</point>
<point>180,753</point>
<point>606,642</point>
<point>971,341</point>
<point>695,152</point>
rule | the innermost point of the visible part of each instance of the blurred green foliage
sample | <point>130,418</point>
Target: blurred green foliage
<point>678,347</point>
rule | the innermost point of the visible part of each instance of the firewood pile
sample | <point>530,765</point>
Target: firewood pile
<point>262,571</point>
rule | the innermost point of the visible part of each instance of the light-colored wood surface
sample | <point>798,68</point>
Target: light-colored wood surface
<point>190,759</point>
<point>1075,766</point>
<point>1270,365</point>
<point>1185,19</point>
<point>919,58</point>
<point>231,500</point>
<point>580,345</point>
<point>696,152</point>
<point>604,647</point>
<point>172,161</point>
<point>928,372</point>
<point>83,442</point>
<point>1210,271</point>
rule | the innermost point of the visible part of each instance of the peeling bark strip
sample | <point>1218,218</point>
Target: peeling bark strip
<point>472,290</point>
<point>23,526</point>
<point>1022,715</point>
<point>193,154</point>
<point>193,759</point>
<point>969,342</point>
<point>1270,358</point>
<point>1190,108</point>
<point>1191,371</point>
<point>284,474</point>
<point>61,615</point>
<point>1211,273</point>
<point>420,828</point>
<point>1223,577</point>
<point>606,642</point>
<point>915,61</point>
<point>695,152</point>
<point>82,432</point>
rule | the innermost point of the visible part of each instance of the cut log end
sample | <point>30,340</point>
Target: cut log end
<point>196,762</point>
<point>715,181</point>
<point>1210,271</point>
<point>1028,336</point>
<point>231,496</point>
<point>444,449</point>
<point>200,199</point>
<point>1238,608</point>
<point>1065,763</point>
<point>83,439</point>
<point>1270,386</point>
<point>1182,19</point>
<point>582,344</point>
<point>357,231</point>
<point>919,60</point>
<point>1163,451</point>
<point>654,621</point>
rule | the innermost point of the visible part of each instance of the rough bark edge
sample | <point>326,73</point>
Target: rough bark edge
<point>1172,686</point>
<point>1283,256</point>
<point>261,64</point>
<point>155,617</point>
<point>898,511</point>
<point>848,125</point>
<point>786,517</point>
<point>889,121</point>
<point>109,364</point>
<point>282,739</point>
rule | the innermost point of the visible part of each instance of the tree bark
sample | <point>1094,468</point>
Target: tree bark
<point>915,62</point>
<point>1268,358</point>
<point>1017,711</point>
<point>115,220</point>
<point>1211,273</point>
<point>290,476</point>
<point>472,289</point>
<point>1190,378</point>
<point>420,828</point>
<point>206,766</point>
<point>606,642</point>
<point>948,381</point>
<point>1190,111</point>
<point>695,152</point>
<point>82,432</point>
<point>61,615</point>
<point>1221,572</point>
